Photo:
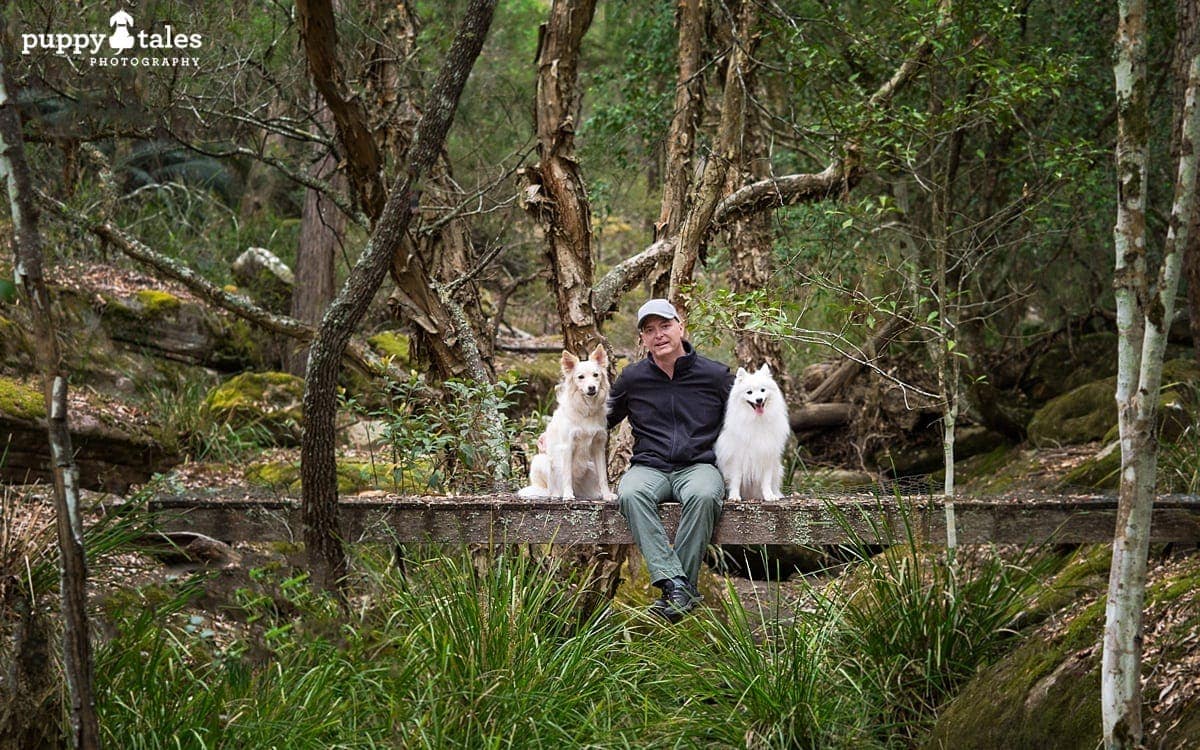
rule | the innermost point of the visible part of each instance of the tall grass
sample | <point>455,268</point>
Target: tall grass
<point>445,655</point>
<point>918,621</point>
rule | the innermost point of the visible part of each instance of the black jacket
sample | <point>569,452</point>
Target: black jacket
<point>676,420</point>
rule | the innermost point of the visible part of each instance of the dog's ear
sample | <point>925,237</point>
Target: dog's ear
<point>741,373</point>
<point>599,356</point>
<point>569,361</point>
<point>765,370</point>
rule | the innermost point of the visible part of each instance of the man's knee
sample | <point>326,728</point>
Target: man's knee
<point>704,489</point>
<point>639,489</point>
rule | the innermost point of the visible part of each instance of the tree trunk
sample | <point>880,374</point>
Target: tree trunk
<point>555,195</point>
<point>752,244</point>
<point>689,103</point>
<point>698,221</point>
<point>1143,320</point>
<point>1187,45</point>
<point>322,535</point>
<point>322,231</point>
<point>27,243</point>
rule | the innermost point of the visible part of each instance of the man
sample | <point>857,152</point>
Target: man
<point>675,402</point>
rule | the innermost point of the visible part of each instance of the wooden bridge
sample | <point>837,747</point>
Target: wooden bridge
<point>1019,519</point>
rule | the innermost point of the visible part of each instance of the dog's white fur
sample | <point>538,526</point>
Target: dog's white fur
<point>572,455</point>
<point>750,446</point>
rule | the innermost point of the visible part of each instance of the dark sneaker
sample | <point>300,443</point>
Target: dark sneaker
<point>678,599</point>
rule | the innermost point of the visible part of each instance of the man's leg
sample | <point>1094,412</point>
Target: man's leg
<point>639,493</point>
<point>701,493</point>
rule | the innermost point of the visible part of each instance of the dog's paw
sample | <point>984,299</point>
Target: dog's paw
<point>737,496</point>
<point>532,493</point>
<point>609,497</point>
<point>568,496</point>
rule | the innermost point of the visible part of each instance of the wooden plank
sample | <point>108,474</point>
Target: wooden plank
<point>794,520</point>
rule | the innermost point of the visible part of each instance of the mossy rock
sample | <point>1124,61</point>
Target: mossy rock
<point>15,350</point>
<point>155,302</point>
<point>1044,694</point>
<point>539,374</point>
<point>352,477</point>
<point>270,400</point>
<point>266,277</point>
<point>1082,415</point>
<point>21,401</point>
<point>392,344</point>
<point>1100,472</point>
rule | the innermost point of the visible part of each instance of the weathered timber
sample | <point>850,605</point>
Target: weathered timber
<point>793,520</point>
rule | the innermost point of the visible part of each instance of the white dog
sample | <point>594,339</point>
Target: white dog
<point>750,446</point>
<point>572,456</point>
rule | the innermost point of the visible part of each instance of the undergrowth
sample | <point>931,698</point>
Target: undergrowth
<point>445,652</point>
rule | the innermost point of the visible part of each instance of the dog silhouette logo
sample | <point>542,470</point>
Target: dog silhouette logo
<point>121,38</point>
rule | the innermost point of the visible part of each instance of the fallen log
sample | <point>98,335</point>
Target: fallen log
<point>820,416</point>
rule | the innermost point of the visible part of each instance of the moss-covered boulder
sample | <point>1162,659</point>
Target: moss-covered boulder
<point>16,352</point>
<point>538,375</point>
<point>353,477</point>
<point>1082,415</point>
<point>162,325</point>
<point>391,344</point>
<point>112,452</point>
<point>1089,412</point>
<point>1046,692</point>
<point>270,401</point>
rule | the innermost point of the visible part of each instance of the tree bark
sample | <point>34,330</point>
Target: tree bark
<point>689,103</point>
<point>1144,315</point>
<point>322,231</point>
<point>1187,45</point>
<point>698,222</point>
<point>27,244</point>
<point>364,162</point>
<point>752,242</point>
<point>318,467</point>
<point>555,195</point>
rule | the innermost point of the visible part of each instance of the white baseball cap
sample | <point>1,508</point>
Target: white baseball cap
<point>659,307</point>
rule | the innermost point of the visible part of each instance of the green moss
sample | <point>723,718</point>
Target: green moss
<point>391,344</point>
<point>236,343</point>
<point>270,400</point>
<point>1101,472</point>
<point>280,476</point>
<point>21,401</point>
<point>1080,416</point>
<point>155,302</point>
<point>985,473</point>
<point>1044,694</point>
<point>352,477</point>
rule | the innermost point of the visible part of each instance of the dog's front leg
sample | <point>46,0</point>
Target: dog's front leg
<point>563,456</point>
<point>733,482</point>
<point>600,464</point>
<point>768,492</point>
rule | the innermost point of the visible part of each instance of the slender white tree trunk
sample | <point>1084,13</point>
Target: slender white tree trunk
<point>1143,318</point>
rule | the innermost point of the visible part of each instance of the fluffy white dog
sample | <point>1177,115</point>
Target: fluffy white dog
<point>750,446</point>
<point>572,456</point>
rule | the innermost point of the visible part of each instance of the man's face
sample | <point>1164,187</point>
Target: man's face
<point>662,337</point>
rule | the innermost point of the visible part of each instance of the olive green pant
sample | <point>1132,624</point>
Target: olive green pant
<point>700,491</point>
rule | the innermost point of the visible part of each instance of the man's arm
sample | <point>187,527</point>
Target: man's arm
<point>618,402</point>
